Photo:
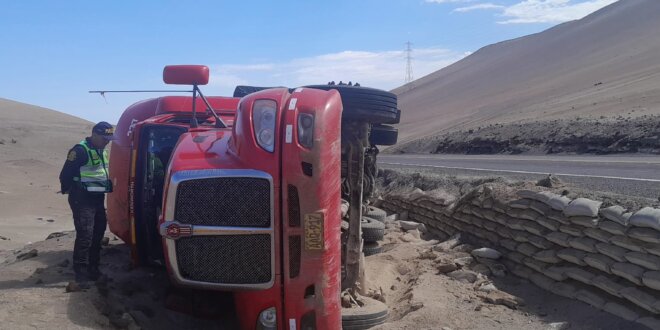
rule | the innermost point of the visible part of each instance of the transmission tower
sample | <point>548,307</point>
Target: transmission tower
<point>409,72</point>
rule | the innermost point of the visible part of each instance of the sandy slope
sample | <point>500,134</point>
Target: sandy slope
<point>33,145</point>
<point>607,63</point>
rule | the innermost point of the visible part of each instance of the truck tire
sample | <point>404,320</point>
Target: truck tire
<point>370,315</point>
<point>376,213</point>
<point>241,91</point>
<point>372,230</point>
<point>365,104</point>
<point>371,248</point>
<point>383,135</point>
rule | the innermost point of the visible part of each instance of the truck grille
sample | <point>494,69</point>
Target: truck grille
<point>229,259</point>
<point>224,201</point>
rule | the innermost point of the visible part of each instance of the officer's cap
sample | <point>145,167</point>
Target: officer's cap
<point>104,129</point>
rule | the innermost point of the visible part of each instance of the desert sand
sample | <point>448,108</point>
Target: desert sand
<point>607,63</point>
<point>34,143</point>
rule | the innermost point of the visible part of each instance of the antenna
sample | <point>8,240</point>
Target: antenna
<point>409,72</point>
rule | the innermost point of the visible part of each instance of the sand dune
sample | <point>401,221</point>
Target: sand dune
<point>607,63</point>
<point>33,146</point>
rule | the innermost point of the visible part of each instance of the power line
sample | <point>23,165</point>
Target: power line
<point>409,72</point>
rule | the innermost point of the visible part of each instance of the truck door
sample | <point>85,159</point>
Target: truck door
<point>155,146</point>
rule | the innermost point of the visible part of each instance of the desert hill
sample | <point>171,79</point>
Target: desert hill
<point>33,145</point>
<point>606,64</point>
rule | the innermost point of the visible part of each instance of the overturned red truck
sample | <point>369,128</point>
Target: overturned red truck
<point>244,194</point>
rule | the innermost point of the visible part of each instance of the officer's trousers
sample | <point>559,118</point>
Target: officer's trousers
<point>90,221</point>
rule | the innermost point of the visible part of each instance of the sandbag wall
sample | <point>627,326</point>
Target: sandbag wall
<point>606,257</point>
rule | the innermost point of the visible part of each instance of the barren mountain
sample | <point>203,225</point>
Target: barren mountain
<point>606,64</point>
<point>33,145</point>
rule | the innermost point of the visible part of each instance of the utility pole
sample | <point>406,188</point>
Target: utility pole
<point>409,72</point>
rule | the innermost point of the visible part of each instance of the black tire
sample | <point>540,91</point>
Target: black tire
<point>371,248</point>
<point>376,213</point>
<point>370,315</point>
<point>363,103</point>
<point>241,91</point>
<point>372,230</point>
<point>383,135</point>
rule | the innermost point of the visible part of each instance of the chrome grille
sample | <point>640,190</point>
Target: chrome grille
<point>224,201</point>
<point>228,259</point>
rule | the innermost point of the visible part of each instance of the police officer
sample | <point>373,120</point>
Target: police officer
<point>85,178</point>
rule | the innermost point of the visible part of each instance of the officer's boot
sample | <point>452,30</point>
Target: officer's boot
<point>81,273</point>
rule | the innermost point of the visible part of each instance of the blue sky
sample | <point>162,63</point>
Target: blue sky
<point>52,53</point>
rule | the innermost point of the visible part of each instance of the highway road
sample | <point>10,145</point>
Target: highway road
<point>628,175</point>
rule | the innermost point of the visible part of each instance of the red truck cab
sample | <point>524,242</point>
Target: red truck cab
<point>244,195</point>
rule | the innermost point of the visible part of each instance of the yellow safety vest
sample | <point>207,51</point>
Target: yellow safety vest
<point>94,175</point>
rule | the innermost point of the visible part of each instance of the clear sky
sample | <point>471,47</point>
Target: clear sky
<point>53,52</point>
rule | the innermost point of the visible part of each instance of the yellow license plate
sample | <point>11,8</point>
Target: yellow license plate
<point>314,231</point>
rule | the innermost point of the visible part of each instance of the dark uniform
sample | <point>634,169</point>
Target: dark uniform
<point>85,178</point>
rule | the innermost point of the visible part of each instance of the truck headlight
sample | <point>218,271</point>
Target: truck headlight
<point>263,121</point>
<point>268,319</point>
<point>306,130</point>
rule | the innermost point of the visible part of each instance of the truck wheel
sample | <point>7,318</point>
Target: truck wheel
<point>383,135</point>
<point>376,213</point>
<point>371,248</point>
<point>372,230</point>
<point>366,104</point>
<point>371,314</point>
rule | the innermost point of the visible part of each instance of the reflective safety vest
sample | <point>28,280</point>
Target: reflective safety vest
<point>94,174</point>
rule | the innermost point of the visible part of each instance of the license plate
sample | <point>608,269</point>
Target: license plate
<point>314,231</point>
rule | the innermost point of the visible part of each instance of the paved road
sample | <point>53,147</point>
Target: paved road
<point>629,175</point>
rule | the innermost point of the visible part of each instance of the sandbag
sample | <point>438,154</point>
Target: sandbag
<point>630,272</point>
<point>527,249</point>
<point>489,214</point>
<point>583,243</point>
<point>597,234</point>
<point>640,298</point>
<point>487,253</point>
<point>644,259</point>
<point>535,264</point>
<point>615,213</point>
<point>610,285</point>
<point>515,256</point>
<point>582,207</point>
<point>559,203</point>
<point>573,231</point>
<point>491,226</point>
<point>644,234</point>
<point>621,311</point>
<point>533,195</point>
<point>651,280</point>
<point>573,256</point>
<point>535,228</point>
<point>539,207</point>
<point>540,242</point>
<point>579,274</point>
<point>591,297</point>
<point>547,256</point>
<point>588,222</point>
<point>520,236</point>
<point>612,227</point>
<point>542,281</point>
<point>548,223</point>
<point>528,215</point>
<point>599,261</point>
<point>555,272</point>
<point>509,244</point>
<point>491,237</point>
<point>521,204</point>
<point>516,224</point>
<point>615,252</point>
<point>558,216</point>
<point>626,243</point>
<point>647,217</point>
<point>522,271</point>
<point>564,289</point>
<point>559,238</point>
<point>502,219</point>
<point>504,232</point>
<point>653,249</point>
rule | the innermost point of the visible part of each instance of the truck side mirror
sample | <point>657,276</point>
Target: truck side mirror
<point>186,74</point>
